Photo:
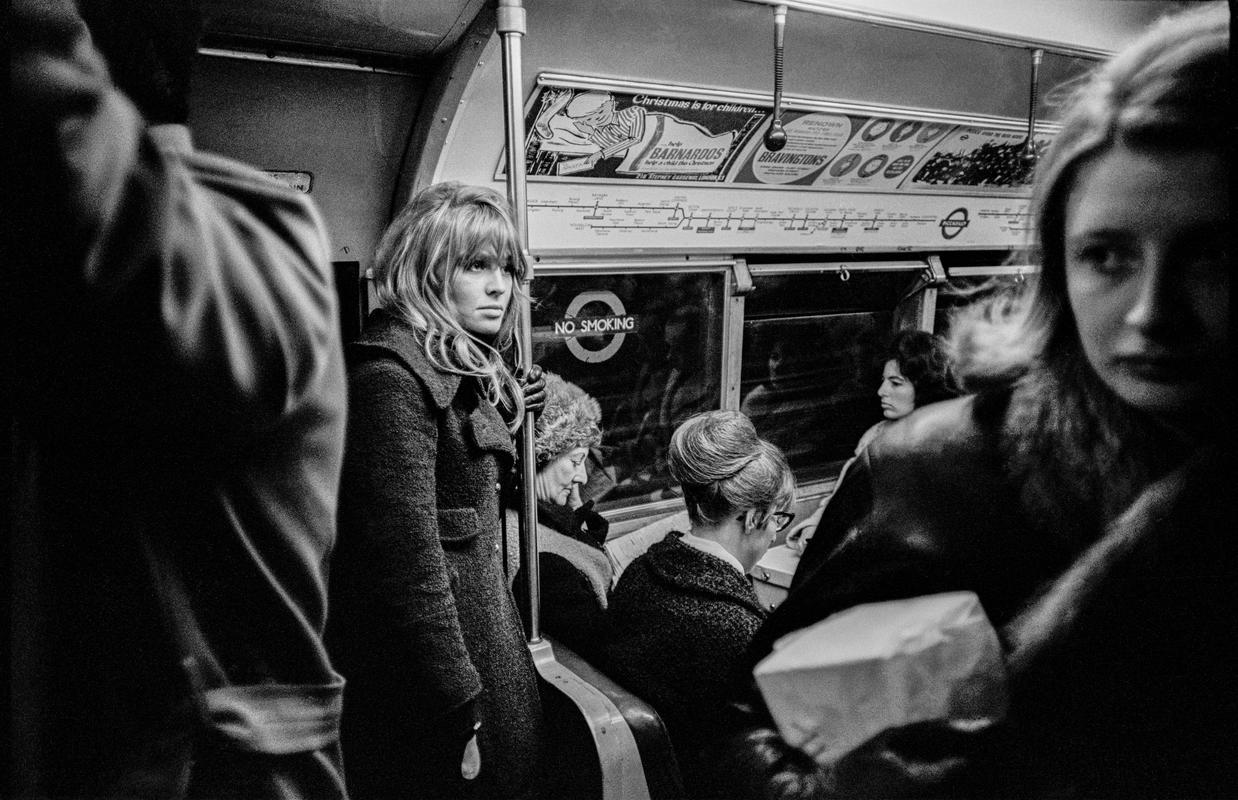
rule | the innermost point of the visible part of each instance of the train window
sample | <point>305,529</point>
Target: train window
<point>648,347</point>
<point>812,361</point>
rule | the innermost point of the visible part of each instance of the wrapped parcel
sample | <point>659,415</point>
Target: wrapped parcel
<point>836,684</point>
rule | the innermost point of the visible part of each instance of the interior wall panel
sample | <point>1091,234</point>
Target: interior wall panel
<point>347,128</point>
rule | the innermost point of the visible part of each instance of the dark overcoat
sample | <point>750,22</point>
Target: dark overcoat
<point>176,436</point>
<point>1119,670</point>
<point>423,622</point>
<point>679,620</point>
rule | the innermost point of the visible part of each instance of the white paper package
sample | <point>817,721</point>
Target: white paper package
<point>880,665</point>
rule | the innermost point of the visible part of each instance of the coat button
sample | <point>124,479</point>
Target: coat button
<point>498,487</point>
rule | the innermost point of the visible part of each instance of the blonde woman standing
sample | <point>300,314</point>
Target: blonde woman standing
<point>442,697</point>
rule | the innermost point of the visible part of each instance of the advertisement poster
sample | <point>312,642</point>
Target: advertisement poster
<point>882,154</point>
<point>978,157</point>
<point>581,134</point>
<point>602,134</point>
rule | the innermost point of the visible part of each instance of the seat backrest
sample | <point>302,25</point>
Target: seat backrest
<point>656,755</point>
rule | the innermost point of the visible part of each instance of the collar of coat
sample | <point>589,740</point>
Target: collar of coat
<point>394,336</point>
<point>672,562</point>
<point>389,336</point>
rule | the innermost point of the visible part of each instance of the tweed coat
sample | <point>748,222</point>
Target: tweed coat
<point>679,620</point>
<point>423,621</point>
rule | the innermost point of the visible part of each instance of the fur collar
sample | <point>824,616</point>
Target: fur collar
<point>1079,455</point>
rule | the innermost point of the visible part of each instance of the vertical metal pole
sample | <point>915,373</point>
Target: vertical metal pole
<point>511,27</point>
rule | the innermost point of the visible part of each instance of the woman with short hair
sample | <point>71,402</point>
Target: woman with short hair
<point>683,612</point>
<point>916,373</point>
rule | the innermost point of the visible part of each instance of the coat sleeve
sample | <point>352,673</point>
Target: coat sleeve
<point>389,528</point>
<point>153,284</point>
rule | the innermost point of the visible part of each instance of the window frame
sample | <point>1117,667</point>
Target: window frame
<point>735,285</point>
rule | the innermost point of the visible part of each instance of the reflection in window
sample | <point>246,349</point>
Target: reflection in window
<point>813,346</point>
<point>648,347</point>
<point>810,385</point>
<point>961,292</point>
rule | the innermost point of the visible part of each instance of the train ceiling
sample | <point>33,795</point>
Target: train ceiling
<point>401,30</point>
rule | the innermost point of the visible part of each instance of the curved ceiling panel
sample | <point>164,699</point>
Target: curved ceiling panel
<point>418,30</point>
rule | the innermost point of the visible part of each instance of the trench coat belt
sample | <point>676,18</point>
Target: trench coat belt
<point>277,719</point>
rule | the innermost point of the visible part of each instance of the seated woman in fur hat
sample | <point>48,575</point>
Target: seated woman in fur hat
<point>576,571</point>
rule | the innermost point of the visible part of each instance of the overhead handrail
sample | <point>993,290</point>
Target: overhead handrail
<point>843,268</point>
<point>314,61</point>
<point>925,26</point>
<point>1029,147</point>
<point>775,136</point>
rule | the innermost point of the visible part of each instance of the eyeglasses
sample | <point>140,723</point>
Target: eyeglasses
<point>782,520</point>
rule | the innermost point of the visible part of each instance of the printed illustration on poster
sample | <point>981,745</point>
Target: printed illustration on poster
<point>587,133</point>
<point>612,134</point>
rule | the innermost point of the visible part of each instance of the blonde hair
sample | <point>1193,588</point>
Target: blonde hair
<point>723,467</point>
<point>1167,92</point>
<point>436,235</point>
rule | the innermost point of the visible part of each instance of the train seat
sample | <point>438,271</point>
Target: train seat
<point>605,742</point>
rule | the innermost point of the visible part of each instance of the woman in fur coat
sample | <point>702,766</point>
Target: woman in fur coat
<point>575,568</point>
<point>684,611</point>
<point>1085,492</point>
<point>442,698</point>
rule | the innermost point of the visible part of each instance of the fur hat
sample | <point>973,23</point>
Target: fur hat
<point>569,420</point>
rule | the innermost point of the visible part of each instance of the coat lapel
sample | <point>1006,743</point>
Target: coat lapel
<point>483,428</point>
<point>386,334</point>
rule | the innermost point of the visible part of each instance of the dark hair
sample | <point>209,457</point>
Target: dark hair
<point>149,46</point>
<point>922,358</point>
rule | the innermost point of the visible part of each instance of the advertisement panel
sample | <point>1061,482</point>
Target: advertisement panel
<point>582,133</point>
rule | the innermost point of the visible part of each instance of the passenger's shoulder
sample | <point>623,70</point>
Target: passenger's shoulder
<point>235,177</point>
<point>389,339</point>
<point>946,429</point>
<point>381,386</point>
<point>250,199</point>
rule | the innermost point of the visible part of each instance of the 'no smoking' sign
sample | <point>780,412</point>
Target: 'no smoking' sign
<point>617,325</point>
